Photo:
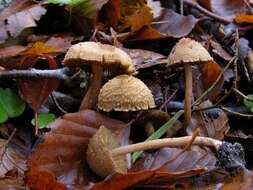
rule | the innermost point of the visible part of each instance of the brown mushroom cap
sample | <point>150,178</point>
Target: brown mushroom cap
<point>86,53</point>
<point>188,51</point>
<point>125,93</point>
<point>99,156</point>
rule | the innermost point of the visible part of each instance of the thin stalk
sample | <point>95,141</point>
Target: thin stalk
<point>166,142</point>
<point>90,98</point>
<point>188,94</point>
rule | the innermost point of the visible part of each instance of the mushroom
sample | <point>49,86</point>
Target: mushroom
<point>188,52</point>
<point>105,156</point>
<point>99,57</point>
<point>125,93</point>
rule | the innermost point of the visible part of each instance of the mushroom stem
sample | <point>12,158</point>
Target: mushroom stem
<point>90,99</point>
<point>188,94</point>
<point>166,142</point>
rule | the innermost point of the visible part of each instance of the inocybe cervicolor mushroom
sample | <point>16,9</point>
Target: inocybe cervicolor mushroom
<point>98,57</point>
<point>125,93</point>
<point>105,156</point>
<point>186,53</point>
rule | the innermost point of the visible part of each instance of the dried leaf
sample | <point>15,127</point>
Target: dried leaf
<point>228,9</point>
<point>218,50</point>
<point>168,24</point>
<point>18,17</point>
<point>134,15</point>
<point>210,72</point>
<point>144,58</point>
<point>160,170</point>
<point>112,13</point>
<point>244,19</point>
<point>10,159</point>
<point>63,151</point>
<point>214,126</point>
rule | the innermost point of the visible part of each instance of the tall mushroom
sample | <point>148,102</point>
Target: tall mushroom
<point>188,52</point>
<point>105,156</point>
<point>125,93</point>
<point>99,57</point>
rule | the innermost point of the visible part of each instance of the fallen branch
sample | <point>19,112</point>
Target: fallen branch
<point>60,74</point>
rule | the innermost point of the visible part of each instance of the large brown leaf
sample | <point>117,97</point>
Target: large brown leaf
<point>168,24</point>
<point>161,169</point>
<point>226,8</point>
<point>214,126</point>
<point>63,151</point>
<point>19,15</point>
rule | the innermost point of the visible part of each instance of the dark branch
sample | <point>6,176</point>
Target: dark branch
<point>60,74</point>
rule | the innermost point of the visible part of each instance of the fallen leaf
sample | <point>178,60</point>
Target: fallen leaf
<point>214,126</point>
<point>244,19</point>
<point>144,58</point>
<point>160,169</point>
<point>218,50</point>
<point>63,151</point>
<point>111,10</point>
<point>228,9</point>
<point>10,159</point>
<point>134,15</point>
<point>20,15</point>
<point>168,24</point>
<point>210,72</point>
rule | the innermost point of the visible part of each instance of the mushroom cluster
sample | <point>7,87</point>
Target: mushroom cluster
<point>98,57</point>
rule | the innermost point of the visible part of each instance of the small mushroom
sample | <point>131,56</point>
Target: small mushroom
<point>105,156</point>
<point>188,52</point>
<point>99,57</point>
<point>125,93</point>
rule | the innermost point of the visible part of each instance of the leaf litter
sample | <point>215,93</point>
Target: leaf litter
<point>36,36</point>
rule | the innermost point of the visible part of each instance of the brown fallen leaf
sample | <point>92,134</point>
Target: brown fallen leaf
<point>218,50</point>
<point>168,24</point>
<point>244,19</point>
<point>144,58</point>
<point>228,9</point>
<point>10,159</point>
<point>210,126</point>
<point>63,151</point>
<point>19,15</point>
<point>160,169</point>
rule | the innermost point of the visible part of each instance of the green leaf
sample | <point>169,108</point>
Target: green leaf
<point>44,119</point>
<point>11,103</point>
<point>248,102</point>
<point>3,115</point>
<point>86,8</point>
<point>160,132</point>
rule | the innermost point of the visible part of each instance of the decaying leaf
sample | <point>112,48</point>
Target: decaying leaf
<point>214,126</point>
<point>63,151</point>
<point>228,9</point>
<point>9,160</point>
<point>20,15</point>
<point>168,24</point>
<point>144,58</point>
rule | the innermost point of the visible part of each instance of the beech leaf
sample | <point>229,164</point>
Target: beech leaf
<point>11,105</point>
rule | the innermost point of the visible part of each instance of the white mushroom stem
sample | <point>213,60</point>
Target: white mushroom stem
<point>90,99</point>
<point>166,142</point>
<point>188,94</point>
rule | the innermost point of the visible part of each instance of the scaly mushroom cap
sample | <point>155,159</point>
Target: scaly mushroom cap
<point>99,157</point>
<point>112,58</point>
<point>125,93</point>
<point>188,51</point>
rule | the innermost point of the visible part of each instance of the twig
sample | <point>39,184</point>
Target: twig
<point>168,99</point>
<point>57,104</point>
<point>60,74</point>
<point>214,84</point>
<point>235,113</point>
<point>241,94</point>
<point>208,13</point>
<point>182,7</point>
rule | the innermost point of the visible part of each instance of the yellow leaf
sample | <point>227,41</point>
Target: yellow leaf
<point>244,19</point>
